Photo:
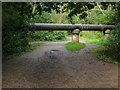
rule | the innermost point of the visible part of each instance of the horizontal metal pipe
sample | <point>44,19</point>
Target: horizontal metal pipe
<point>52,26</point>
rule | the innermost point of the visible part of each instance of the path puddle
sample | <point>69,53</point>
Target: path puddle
<point>52,54</point>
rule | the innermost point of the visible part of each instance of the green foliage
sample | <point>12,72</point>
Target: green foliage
<point>96,17</point>
<point>16,18</point>
<point>14,30</point>
<point>76,19</point>
<point>34,44</point>
<point>94,41</point>
<point>79,7</point>
<point>110,51</point>
<point>91,34</point>
<point>95,37</point>
<point>106,54</point>
<point>117,19</point>
<point>47,36</point>
<point>74,46</point>
<point>45,17</point>
<point>113,42</point>
<point>105,5</point>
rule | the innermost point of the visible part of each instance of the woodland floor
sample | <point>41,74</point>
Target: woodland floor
<point>52,66</point>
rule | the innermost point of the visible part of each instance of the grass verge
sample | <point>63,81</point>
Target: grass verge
<point>74,46</point>
<point>105,54</point>
<point>93,40</point>
<point>34,44</point>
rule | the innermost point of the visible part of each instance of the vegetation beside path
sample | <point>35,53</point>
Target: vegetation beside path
<point>33,45</point>
<point>74,46</point>
<point>110,50</point>
<point>105,54</point>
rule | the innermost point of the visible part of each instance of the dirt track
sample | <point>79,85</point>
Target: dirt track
<point>51,66</point>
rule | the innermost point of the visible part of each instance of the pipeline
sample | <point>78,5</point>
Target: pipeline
<point>52,26</point>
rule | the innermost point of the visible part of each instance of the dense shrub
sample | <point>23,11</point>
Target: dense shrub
<point>110,51</point>
<point>14,30</point>
<point>47,36</point>
<point>113,42</point>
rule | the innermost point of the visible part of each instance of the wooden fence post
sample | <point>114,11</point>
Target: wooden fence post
<point>75,35</point>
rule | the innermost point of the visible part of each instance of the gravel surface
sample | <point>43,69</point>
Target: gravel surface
<point>52,66</point>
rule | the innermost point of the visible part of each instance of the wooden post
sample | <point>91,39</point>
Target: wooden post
<point>75,36</point>
<point>106,34</point>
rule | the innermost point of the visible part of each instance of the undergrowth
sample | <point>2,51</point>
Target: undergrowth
<point>32,46</point>
<point>105,54</point>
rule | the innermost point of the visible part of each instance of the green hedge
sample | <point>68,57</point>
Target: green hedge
<point>47,35</point>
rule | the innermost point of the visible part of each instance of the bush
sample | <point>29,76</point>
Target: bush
<point>13,34</point>
<point>47,36</point>
<point>105,54</point>
<point>110,51</point>
<point>113,42</point>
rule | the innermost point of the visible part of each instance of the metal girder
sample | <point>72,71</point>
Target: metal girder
<point>52,26</point>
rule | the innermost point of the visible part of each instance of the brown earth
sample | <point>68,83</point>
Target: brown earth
<point>52,66</point>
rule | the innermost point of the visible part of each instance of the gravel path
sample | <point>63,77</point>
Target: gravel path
<point>52,66</point>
